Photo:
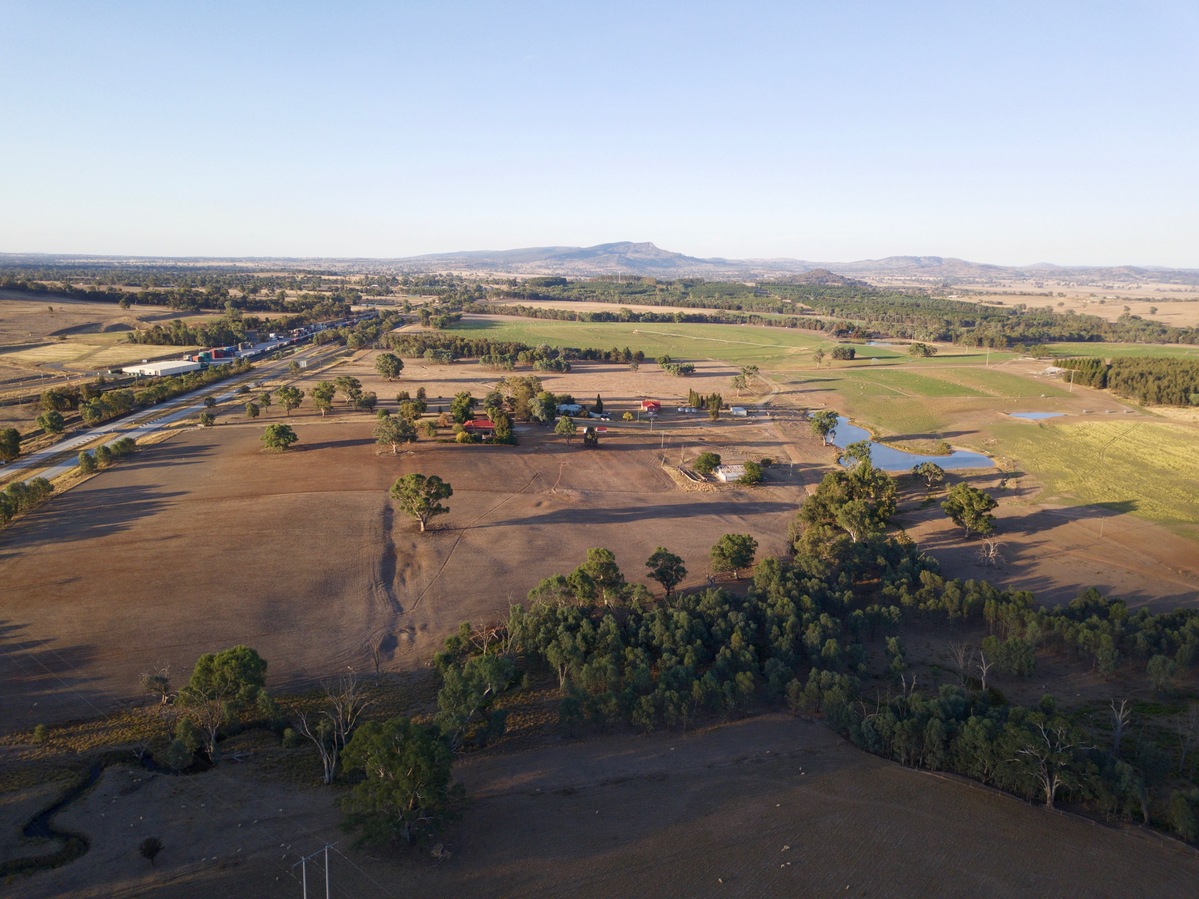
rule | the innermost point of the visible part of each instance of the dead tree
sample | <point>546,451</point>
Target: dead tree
<point>983,667</point>
<point>989,553</point>
<point>1121,714</point>
<point>376,649</point>
<point>157,683</point>
<point>962,654</point>
<point>331,728</point>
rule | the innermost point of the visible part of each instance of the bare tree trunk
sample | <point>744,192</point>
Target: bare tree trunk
<point>962,654</point>
<point>1120,717</point>
<point>1188,735</point>
<point>983,667</point>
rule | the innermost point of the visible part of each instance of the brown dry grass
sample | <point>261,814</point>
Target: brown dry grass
<point>765,807</point>
<point>205,541</point>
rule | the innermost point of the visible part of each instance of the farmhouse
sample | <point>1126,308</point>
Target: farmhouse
<point>727,473</point>
<point>483,427</point>
<point>163,368</point>
<point>653,407</point>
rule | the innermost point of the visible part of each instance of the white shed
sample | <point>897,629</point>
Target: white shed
<point>738,411</point>
<point>163,368</point>
<point>727,473</point>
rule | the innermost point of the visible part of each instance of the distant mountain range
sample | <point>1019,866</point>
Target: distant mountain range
<point>649,260</point>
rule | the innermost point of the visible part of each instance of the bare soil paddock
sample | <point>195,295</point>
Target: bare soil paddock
<point>769,806</point>
<point>206,541</point>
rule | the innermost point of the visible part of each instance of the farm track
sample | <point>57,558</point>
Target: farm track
<point>462,533</point>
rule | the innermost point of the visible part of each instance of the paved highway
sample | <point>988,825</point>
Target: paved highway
<point>141,424</point>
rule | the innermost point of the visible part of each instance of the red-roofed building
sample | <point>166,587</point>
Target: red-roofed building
<point>481,426</point>
<point>651,406</point>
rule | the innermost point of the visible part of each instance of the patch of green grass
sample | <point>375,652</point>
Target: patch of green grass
<point>1002,384</point>
<point>928,383</point>
<point>736,344</point>
<point>1149,468</point>
<point>1110,350</point>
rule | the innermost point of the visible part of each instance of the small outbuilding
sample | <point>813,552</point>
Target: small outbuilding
<point>569,408</point>
<point>738,411</point>
<point>728,473</point>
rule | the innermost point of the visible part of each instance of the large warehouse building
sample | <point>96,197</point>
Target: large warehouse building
<point>164,367</point>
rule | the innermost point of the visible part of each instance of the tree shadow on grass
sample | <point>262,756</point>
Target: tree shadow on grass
<point>166,454</point>
<point>82,514</point>
<point>635,513</point>
<point>44,681</point>
<point>305,447</point>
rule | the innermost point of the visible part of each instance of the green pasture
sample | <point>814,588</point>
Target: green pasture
<point>1001,384</point>
<point>1111,350</point>
<point>736,344</point>
<point>1149,468</point>
<point>768,348</point>
<point>920,400</point>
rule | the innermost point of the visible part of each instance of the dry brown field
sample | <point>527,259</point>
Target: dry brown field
<point>52,341</point>
<point>206,541</point>
<point>763,807</point>
<point>1176,305</point>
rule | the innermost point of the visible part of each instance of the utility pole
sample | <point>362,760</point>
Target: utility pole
<point>303,863</point>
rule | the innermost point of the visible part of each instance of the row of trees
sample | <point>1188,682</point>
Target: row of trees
<point>1152,380</point>
<point>20,497</point>
<point>105,455</point>
<point>847,309</point>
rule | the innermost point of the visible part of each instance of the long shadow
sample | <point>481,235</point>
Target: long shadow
<point>330,444</point>
<point>83,514</point>
<point>165,454</point>
<point>940,435</point>
<point>632,513</point>
<point>1046,519</point>
<point>44,682</point>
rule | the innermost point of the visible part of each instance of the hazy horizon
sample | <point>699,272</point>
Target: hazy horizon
<point>1009,135</point>
<point>490,250</point>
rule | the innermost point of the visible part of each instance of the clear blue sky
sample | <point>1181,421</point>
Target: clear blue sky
<point>1002,132</point>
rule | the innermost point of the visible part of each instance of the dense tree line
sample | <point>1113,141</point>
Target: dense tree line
<point>872,311</point>
<point>233,327</point>
<point>1152,380</point>
<point>501,353</point>
<point>804,636</point>
<point>189,291</point>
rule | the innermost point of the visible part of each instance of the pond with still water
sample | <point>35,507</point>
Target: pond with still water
<point>890,459</point>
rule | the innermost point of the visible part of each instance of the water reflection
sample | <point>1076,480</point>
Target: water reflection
<point>890,459</point>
